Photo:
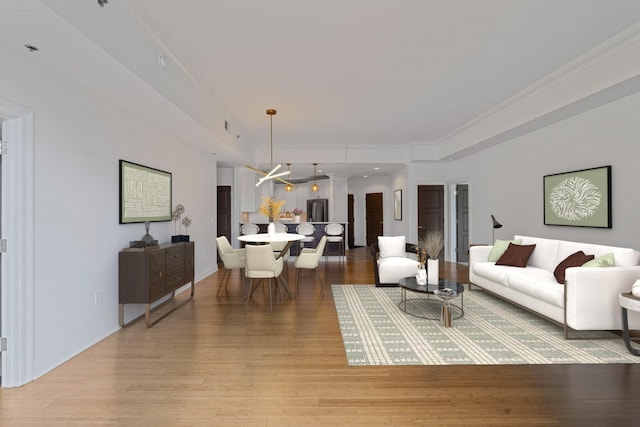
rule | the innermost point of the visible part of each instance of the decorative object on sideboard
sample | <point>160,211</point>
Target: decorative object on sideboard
<point>496,225</point>
<point>175,216</point>
<point>296,214</point>
<point>146,241</point>
<point>186,221</point>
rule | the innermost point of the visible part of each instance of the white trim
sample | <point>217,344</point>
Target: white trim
<point>17,279</point>
<point>602,68</point>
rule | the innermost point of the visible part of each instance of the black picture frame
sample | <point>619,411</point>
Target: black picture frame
<point>580,198</point>
<point>145,194</point>
<point>397,205</point>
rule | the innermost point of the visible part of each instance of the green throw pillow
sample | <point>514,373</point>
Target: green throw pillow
<point>499,247</point>
<point>603,261</point>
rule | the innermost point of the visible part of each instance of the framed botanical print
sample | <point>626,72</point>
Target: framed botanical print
<point>397,205</point>
<point>579,198</point>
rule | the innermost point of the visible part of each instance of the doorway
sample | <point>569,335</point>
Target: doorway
<point>462,223</point>
<point>431,210</point>
<point>375,217</point>
<point>16,276</point>
<point>350,221</point>
<point>2,150</point>
<point>223,213</point>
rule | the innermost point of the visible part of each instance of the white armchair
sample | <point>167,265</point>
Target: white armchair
<point>393,259</point>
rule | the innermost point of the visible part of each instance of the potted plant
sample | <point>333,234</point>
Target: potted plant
<point>430,245</point>
<point>270,207</point>
<point>296,214</point>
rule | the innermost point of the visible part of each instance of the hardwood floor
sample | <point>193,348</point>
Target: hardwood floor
<point>217,362</point>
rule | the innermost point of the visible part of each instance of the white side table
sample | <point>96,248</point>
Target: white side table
<point>628,302</point>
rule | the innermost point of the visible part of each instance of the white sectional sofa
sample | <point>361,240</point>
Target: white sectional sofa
<point>587,301</point>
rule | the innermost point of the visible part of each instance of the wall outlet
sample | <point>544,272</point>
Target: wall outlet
<point>97,298</point>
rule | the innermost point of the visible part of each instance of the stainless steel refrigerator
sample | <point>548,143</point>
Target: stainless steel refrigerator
<point>318,210</point>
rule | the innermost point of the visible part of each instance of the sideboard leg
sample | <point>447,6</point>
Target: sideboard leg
<point>121,315</point>
<point>147,315</point>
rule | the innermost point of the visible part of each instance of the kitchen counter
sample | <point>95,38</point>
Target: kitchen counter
<point>293,222</point>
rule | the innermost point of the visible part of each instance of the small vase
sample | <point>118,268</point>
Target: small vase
<point>421,276</point>
<point>296,218</point>
<point>271,229</point>
<point>432,272</point>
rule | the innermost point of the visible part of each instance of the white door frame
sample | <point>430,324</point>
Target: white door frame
<point>453,204</point>
<point>17,276</point>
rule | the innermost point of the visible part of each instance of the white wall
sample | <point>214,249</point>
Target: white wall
<point>338,209</point>
<point>79,138</point>
<point>225,176</point>
<point>507,180</point>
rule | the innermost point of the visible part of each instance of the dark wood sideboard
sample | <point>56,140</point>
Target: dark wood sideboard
<point>150,274</point>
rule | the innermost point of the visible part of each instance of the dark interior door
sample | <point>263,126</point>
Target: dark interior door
<point>431,210</point>
<point>351,221</point>
<point>375,218</point>
<point>224,212</point>
<point>462,223</point>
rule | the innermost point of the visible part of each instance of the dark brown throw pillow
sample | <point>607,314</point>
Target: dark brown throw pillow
<point>516,255</point>
<point>573,260</point>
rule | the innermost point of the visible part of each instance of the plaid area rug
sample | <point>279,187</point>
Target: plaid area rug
<point>492,332</point>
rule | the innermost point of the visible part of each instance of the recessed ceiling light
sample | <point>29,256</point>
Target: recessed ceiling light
<point>376,168</point>
<point>365,176</point>
<point>162,62</point>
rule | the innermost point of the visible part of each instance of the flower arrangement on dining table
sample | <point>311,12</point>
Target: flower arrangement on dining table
<point>271,207</point>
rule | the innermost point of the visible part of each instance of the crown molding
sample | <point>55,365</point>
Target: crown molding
<point>590,73</point>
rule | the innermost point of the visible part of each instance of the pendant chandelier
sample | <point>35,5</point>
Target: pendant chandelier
<point>314,187</point>
<point>289,186</point>
<point>271,174</point>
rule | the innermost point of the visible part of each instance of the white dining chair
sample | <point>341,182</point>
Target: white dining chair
<point>309,259</point>
<point>249,228</point>
<point>308,230</point>
<point>279,246</point>
<point>231,258</point>
<point>261,263</point>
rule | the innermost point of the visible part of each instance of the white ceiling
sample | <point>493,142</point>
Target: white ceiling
<point>356,73</point>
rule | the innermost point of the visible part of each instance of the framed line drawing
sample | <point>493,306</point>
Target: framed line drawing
<point>397,205</point>
<point>579,198</point>
<point>145,194</point>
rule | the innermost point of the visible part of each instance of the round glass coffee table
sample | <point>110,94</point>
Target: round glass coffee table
<point>436,304</point>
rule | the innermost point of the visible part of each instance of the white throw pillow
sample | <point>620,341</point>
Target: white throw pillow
<point>392,246</point>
